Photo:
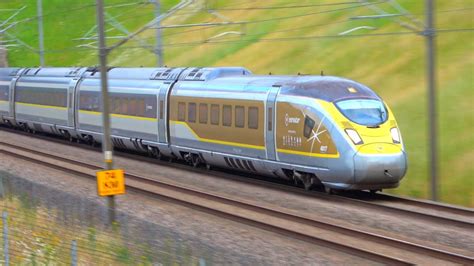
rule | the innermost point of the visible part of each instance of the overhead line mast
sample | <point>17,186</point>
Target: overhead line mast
<point>106,143</point>
<point>430,34</point>
<point>40,31</point>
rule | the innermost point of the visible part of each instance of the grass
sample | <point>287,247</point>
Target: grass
<point>393,65</point>
<point>41,233</point>
<point>65,21</point>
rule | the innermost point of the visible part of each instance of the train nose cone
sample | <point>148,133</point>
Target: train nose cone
<point>379,165</point>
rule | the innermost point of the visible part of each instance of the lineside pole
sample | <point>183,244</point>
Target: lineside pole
<point>159,41</point>
<point>40,31</point>
<point>106,143</point>
<point>430,34</point>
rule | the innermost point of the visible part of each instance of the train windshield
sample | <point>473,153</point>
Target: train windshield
<point>367,112</point>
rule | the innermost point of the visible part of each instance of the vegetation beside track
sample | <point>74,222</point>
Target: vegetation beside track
<point>41,233</point>
<point>393,65</point>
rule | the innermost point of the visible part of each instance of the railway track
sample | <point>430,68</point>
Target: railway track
<point>437,212</point>
<point>349,240</point>
<point>411,208</point>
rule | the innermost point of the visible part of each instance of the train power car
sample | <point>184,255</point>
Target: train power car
<point>314,130</point>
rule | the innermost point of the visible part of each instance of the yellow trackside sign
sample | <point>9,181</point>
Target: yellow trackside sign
<point>110,182</point>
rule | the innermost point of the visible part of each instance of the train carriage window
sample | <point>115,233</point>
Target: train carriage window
<point>124,106</point>
<point>91,101</point>
<point>150,106</point>
<point>111,103</point>
<point>141,107</point>
<point>82,101</point>
<point>118,103</point>
<point>253,117</point>
<point>203,113</point>
<point>239,116</point>
<point>192,112</point>
<point>215,114</point>
<point>308,126</point>
<point>3,94</point>
<point>115,105</point>
<point>181,111</point>
<point>52,98</point>
<point>227,115</point>
<point>132,108</point>
<point>96,105</point>
<point>61,99</point>
<point>42,98</point>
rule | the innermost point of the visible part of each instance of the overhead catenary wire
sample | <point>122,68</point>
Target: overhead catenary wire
<point>82,7</point>
<point>280,39</point>
<point>261,33</point>
<point>283,7</point>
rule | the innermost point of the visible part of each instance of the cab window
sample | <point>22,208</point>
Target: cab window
<point>367,112</point>
<point>308,126</point>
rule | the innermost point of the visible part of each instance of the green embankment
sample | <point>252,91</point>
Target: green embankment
<point>285,42</point>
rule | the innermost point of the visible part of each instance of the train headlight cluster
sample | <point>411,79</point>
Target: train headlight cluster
<point>354,136</point>
<point>395,135</point>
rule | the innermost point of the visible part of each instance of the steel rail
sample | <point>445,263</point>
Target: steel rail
<point>400,244</point>
<point>366,201</point>
<point>426,204</point>
<point>259,224</point>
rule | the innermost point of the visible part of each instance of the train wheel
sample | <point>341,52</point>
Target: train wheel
<point>308,182</point>
<point>328,190</point>
<point>373,191</point>
<point>195,160</point>
<point>208,166</point>
<point>154,152</point>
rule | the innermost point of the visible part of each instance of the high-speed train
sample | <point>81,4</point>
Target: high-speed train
<point>314,130</point>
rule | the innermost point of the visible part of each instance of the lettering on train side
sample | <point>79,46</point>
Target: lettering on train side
<point>291,120</point>
<point>292,141</point>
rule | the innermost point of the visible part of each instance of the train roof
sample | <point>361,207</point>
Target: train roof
<point>328,88</point>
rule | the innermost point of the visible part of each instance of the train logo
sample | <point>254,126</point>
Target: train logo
<point>291,120</point>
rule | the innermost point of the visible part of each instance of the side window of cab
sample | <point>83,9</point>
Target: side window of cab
<point>308,126</point>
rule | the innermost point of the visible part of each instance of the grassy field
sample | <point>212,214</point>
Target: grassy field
<point>391,60</point>
<point>65,21</point>
<point>41,232</point>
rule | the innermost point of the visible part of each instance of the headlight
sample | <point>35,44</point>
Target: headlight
<point>395,135</point>
<point>354,136</point>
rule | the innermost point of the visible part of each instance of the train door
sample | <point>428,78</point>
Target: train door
<point>12,92</point>
<point>270,126</point>
<point>71,102</point>
<point>163,112</point>
<point>11,112</point>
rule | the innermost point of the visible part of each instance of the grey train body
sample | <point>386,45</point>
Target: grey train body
<point>66,102</point>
